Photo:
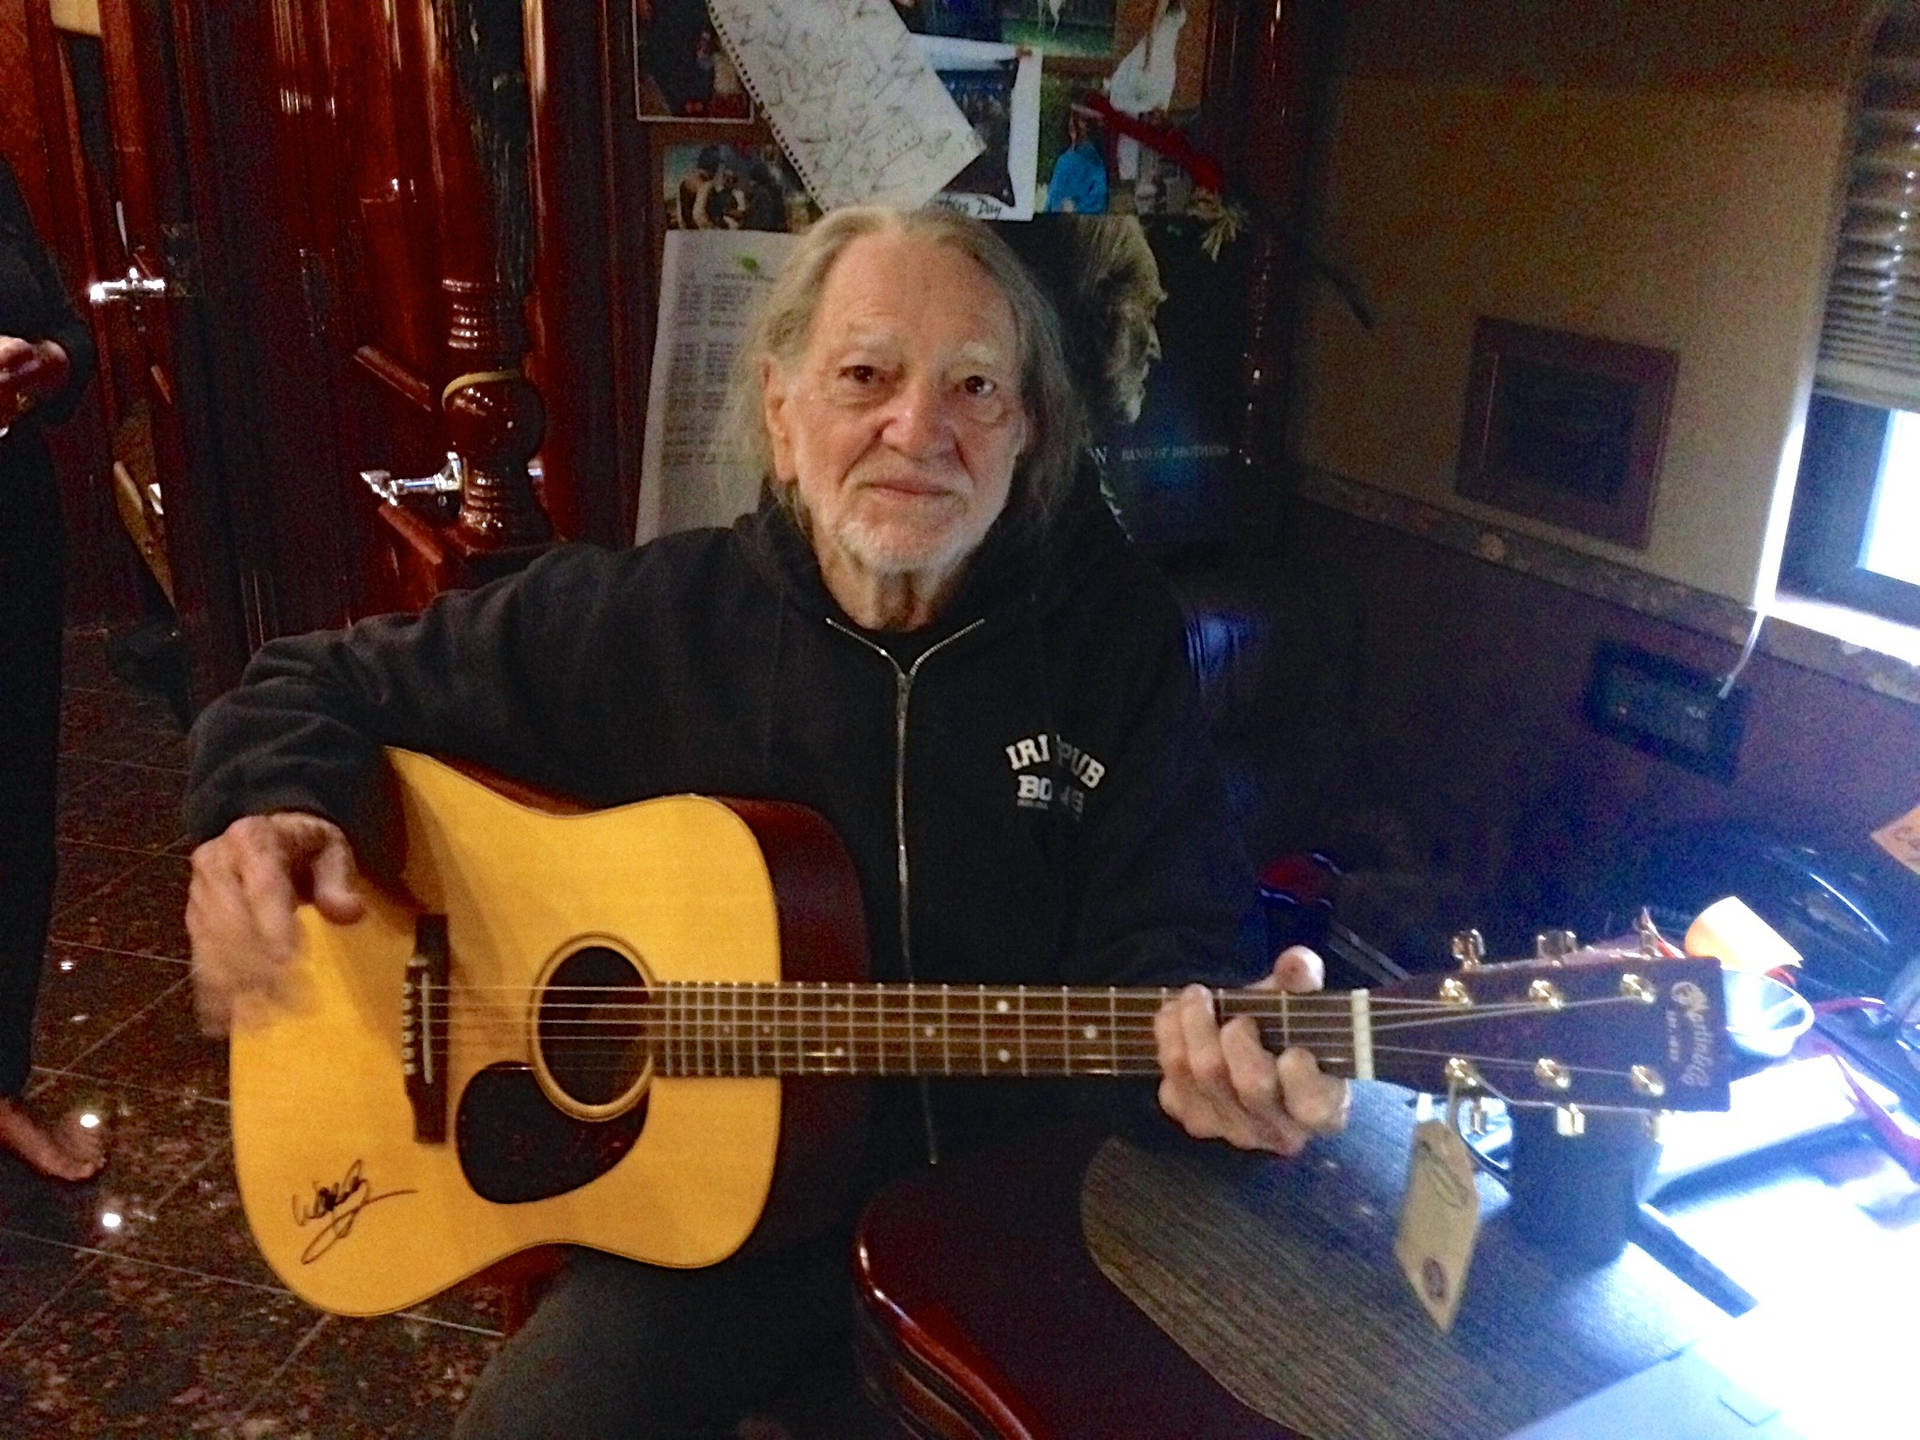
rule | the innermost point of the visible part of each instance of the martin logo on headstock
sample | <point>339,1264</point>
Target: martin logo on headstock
<point>1693,1033</point>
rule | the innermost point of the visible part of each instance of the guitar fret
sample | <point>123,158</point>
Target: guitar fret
<point>946,1029</point>
<point>1066,1032</point>
<point>1113,1030</point>
<point>1020,1000</point>
<point>913,1058</point>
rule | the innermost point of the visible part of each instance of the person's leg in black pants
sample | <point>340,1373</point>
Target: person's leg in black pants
<point>31,573</point>
<point>618,1350</point>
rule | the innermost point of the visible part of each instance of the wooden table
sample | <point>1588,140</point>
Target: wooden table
<point>1083,1289</point>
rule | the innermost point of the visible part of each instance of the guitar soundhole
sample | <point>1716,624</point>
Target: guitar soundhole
<point>591,1028</point>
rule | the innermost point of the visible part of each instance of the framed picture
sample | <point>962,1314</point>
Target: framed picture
<point>1566,428</point>
<point>681,71</point>
<point>735,186</point>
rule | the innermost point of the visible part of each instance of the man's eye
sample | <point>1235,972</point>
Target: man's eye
<point>859,374</point>
<point>979,385</point>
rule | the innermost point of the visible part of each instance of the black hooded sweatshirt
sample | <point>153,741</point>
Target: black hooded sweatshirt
<point>1026,787</point>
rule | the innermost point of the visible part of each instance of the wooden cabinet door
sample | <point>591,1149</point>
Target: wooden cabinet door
<point>313,235</point>
<point>157,380</point>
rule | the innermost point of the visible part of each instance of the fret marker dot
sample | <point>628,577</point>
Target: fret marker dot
<point>1005,1056</point>
<point>928,1032</point>
<point>1001,1007</point>
<point>838,1051</point>
<point>1092,1032</point>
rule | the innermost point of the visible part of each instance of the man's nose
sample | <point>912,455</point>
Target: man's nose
<point>919,418</point>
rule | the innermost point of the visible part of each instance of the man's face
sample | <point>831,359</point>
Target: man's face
<point>1136,344</point>
<point>901,423</point>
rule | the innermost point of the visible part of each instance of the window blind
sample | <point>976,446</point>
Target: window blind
<point>1870,338</point>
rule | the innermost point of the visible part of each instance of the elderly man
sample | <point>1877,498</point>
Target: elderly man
<point>933,633</point>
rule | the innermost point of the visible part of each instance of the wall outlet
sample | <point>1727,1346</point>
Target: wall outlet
<point>1665,708</point>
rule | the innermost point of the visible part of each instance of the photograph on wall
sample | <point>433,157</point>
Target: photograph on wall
<point>1156,184</point>
<point>1062,27</point>
<point>955,19</point>
<point>1071,154</point>
<point>681,70</point>
<point>733,187</point>
<point>1155,330</point>
<point>1157,77</point>
<point>998,91</point>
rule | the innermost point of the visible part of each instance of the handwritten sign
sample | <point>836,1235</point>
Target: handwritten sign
<point>855,105</point>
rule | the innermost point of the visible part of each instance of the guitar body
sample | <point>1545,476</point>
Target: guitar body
<point>359,1214</point>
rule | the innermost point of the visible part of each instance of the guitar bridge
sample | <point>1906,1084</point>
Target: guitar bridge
<point>423,1029</point>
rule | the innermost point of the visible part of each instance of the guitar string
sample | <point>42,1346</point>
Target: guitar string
<point>709,1021</point>
<point>896,999</point>
<point>896,993</point>
<point>838,1058</point>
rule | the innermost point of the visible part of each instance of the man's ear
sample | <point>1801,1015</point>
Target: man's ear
<point>774,414</point>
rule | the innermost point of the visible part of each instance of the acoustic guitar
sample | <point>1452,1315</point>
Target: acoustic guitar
<point>632,1029</point>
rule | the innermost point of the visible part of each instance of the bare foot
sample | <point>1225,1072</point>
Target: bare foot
<point>66,1151</point>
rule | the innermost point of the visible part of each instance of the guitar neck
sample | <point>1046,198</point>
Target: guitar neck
<point>728,1029</point>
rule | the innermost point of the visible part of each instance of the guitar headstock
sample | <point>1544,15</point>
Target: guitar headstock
<point>1606,1027</point>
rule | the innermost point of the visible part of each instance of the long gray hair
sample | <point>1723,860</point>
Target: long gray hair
<point>784,324</point>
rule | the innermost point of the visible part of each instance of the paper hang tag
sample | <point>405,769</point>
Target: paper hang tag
<point>1439,1220</point>
<point>1901,839</point>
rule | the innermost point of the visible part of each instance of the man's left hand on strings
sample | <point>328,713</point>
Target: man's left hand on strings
<point>1220,1083</point>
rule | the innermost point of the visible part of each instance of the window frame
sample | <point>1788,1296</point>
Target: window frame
<point>1842,449</point>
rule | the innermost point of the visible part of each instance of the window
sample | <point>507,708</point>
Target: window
<point>1854,535</point>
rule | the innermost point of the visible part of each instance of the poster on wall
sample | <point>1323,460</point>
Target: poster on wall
<point>1154,322</point>
<point>998,91</point>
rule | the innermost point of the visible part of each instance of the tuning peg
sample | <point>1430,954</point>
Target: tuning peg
<point>1552,1074</point>
<point>1555,945</point>
<point>1648,932</point>
<point>1470,949</point>
<point>1570,1121</point>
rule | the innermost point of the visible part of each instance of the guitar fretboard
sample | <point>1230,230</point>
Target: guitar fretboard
<point>746,1029</point>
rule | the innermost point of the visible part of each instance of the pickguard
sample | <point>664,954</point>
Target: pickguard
<point>515,1147</point>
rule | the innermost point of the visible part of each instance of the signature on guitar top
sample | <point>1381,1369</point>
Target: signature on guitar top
<point>596,1028</point>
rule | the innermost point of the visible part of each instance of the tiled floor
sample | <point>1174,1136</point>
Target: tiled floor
<point>136,1304</point>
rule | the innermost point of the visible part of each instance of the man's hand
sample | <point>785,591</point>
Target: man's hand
<point>247,883</point>
<point>1219,1082</point>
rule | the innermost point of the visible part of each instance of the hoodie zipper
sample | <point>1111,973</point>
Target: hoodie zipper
<point>903,678</point>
